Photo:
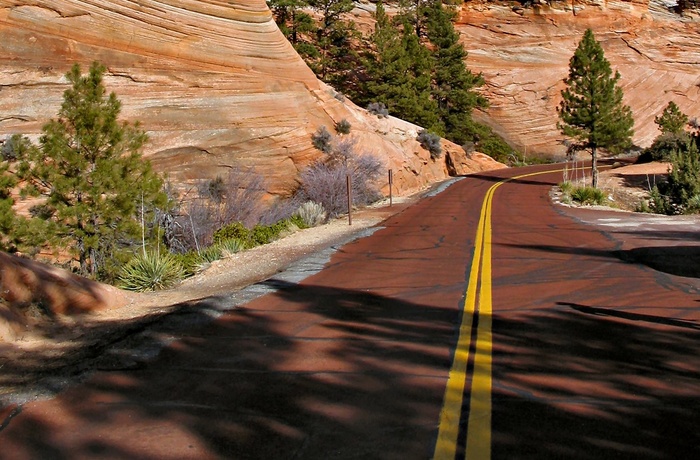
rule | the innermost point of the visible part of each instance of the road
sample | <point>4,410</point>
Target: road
<point>482,322</point>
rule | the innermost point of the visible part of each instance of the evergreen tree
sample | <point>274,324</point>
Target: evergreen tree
<point>671,120</point>
<point>399,74</point>
<point>591,110</point>
<point>90,170</point>
<point>453,84</point>
<point>334,37</point>
<point>7,215</point>
<point>297,25</point>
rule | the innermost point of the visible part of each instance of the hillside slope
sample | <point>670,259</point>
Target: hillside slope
<point>214,83</point>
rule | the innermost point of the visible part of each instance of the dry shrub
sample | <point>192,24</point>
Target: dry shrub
<point>218,202</point>
<point>325,182</point>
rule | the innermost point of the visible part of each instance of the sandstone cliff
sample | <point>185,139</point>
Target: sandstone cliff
<point>524,53</point>
<point>214,83</point>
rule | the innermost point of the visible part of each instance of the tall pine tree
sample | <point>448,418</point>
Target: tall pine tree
<point>453,84</point>
<point>592,110</point>
<point>399,73</point>
<point>90,170</point>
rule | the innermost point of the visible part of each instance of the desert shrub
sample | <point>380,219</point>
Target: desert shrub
<point>322,140</point>
<point>663,147</point>
<point>263,234</point>
<point>211,254</point>
<point>312,214</point>
<point>343,127</point>
<point>430,142</point>
<point>469,148</point>
<point>679,194</point>
<point>221,201</point>
<point>588,195</point>
<point>190,261</point>
<point>297,221</point>
<point>151,272</point>
<point>15,147</point>
<point>378,109</point>
<point>566,187</point>
<point>232,231</point>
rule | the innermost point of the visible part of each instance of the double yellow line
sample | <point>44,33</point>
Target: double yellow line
<point>475,329</point>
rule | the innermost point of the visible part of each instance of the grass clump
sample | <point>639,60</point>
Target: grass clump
<point>312,214</point>
<point>151,272</point>
<point>588,195</point>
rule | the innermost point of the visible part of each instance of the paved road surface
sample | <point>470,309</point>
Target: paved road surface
<point>565,349</point>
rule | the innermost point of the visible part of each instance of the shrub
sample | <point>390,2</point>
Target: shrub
<point>430,142</point>
<point>312,214</point>
<point>15,147</point>
<point>663,147</point>
<point>232,231</point>
<point>378,109</point>
<point>191,263</point>
<point>343,127</point>
<point>151,272</point>
<point>321,139</point>
<point>469,148</point>
<point>588,195</point>
<point>678,194</point>
<point>263,234</point>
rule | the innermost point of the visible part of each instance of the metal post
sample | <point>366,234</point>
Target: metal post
<point>349,181</point>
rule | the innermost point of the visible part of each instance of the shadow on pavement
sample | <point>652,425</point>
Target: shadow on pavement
<point>316,373</point>
<point>579,385</point>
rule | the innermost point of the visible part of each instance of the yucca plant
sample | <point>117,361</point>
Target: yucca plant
<point>588,195</point>
<point>230,246</point>
<point>151,271</point>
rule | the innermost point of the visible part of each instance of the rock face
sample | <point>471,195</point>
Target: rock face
<point>214,83</point>
<point>524,56</point>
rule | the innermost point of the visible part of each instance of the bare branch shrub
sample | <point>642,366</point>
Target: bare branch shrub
<point>326,181</point>
<point>219,202</point>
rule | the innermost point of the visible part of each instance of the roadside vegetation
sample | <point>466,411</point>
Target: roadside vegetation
<point>95,206</point>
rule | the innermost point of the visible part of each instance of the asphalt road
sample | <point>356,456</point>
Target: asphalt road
<point>481,322</point>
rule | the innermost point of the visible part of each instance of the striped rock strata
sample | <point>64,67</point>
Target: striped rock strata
<point>214,83</point>
<point>524,55</point>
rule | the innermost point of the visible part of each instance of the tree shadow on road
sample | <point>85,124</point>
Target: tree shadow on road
<point>576,383</point>
<point>315,372</point>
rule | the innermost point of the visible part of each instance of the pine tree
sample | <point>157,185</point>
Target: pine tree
<point>7,214</point>
<point>453,84</point>
<point>592,110</point>
<point>90,170</point>
<point>333,37</point>
<point>671,120</point>
<point>399,73</point>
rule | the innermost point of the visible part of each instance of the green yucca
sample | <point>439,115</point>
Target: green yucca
<point>151,272</point>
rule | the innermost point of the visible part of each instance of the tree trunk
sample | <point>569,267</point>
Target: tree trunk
<point>594,166</point>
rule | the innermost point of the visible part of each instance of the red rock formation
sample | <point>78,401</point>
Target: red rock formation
<point>214,83</point>
<point>523,54</point>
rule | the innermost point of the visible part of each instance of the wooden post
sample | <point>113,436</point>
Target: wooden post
<point>391,183</point>
<point>349,182</point>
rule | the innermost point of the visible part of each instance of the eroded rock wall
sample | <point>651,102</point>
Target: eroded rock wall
<point>524,53</point>
<point>214,83</point>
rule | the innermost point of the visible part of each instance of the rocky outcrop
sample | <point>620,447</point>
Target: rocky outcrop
<point>215,84</point>
<point>524,53</point>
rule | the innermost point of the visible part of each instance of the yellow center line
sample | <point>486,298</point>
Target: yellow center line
<point>478,441</point>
